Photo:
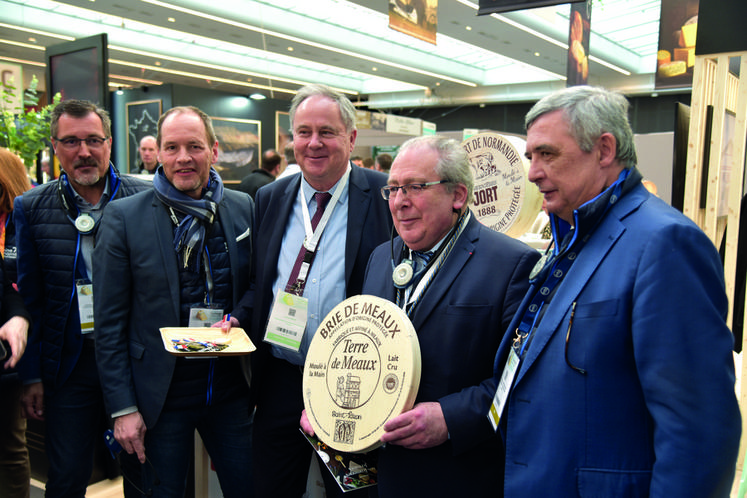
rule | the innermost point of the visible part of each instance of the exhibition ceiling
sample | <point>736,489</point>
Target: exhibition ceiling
<point>274,47</point>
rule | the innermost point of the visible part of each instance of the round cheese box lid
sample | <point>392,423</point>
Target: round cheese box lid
<point>362,369</point>
<point>505,199</point>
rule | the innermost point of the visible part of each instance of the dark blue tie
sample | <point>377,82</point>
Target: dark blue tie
<point>423,258</point>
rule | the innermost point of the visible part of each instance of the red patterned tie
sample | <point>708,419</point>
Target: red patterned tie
<point>296,286</point>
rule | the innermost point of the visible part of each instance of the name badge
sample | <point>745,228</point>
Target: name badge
<point>84,289</point>
<point>287,323</point>
<point>504,387</point>
<point>204,316</point>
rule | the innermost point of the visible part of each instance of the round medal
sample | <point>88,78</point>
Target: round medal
<point>84,223</point>
<point>402,274</point>
<point>539,265</point>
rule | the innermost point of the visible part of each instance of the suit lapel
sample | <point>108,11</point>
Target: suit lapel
<point>164,229</point>
<point>557,315</point>
<point>230,234</point>
<point>359,199</point>
<point>276,215</point>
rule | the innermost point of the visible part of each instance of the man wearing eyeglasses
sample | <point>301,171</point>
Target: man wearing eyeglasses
<point>616,375</point>
<point>55,226</point>
<point>459,283</point>
<point>336,209</point>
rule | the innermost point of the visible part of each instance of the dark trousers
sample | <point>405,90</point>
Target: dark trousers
<point>281,455</point>
<point>226,431</point>
<point>73,416</point>
<point>14,456</point>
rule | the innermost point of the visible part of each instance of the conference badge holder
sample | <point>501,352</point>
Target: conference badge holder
<point>84,291</point>
<point>287,322</point>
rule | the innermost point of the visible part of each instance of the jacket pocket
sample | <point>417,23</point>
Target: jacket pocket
<point>597,309</point>
<point>468,309</point>
<point>604,483</point>
<point>137,350</point>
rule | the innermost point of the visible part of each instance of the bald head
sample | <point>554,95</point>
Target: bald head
<point>149,152</point>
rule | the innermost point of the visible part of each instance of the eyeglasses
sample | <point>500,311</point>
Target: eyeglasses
<point>410,189</point>
<point>72,143</point>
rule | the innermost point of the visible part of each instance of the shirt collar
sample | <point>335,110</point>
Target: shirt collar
<point>309,191</point>
<point>82,203</point>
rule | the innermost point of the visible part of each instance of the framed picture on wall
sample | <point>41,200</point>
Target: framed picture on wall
<point>142,120</point>
<point>239,141</point>
<point>282,127</point>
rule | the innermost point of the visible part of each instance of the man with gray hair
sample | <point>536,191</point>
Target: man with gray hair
<point>616,376</point>
<point>355,221</point>
<point>465,285</point>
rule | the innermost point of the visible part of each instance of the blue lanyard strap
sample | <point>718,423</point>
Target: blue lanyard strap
<point>560,264</point>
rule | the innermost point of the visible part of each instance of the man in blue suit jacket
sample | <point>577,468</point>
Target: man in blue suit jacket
<point>460,304</point>
<point>323,124</point>
<point>179,255</point>
<point>625,376</point>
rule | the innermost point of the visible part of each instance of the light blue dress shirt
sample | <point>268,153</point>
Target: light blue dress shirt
<point>325,284</point>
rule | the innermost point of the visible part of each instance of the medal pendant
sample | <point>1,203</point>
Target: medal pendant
<point>402,274</point>
<point>84,223</point>
<point>538,267</point>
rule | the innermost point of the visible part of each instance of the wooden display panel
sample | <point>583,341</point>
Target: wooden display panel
<point>715,86</point>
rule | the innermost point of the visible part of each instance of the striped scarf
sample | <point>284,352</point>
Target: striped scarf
<point>189,236</point>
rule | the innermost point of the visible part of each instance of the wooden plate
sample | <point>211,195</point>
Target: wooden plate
<point>362,369</point>
<point>238,342</point>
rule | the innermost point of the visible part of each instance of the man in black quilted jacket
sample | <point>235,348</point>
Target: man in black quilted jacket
<point>55,227</point>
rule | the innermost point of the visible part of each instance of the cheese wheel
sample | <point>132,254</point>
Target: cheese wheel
<point>505,199</point>
<point>361,370</point>
<point>662,57</point>
<point>674,68</point>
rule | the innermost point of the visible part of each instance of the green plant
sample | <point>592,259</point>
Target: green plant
<point>24,132</point>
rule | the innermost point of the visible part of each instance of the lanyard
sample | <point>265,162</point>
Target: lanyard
<point>561,264</point>
<point>559,269</point>
<point>312,236</point>
<point>411,299</point>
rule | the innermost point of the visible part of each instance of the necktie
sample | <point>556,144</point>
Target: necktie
<point>296,286</point>
<point>424,258</point>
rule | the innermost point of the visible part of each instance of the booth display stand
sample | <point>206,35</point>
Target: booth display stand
<point>715,166</point>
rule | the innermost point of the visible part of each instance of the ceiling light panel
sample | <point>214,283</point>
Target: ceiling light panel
<point>198,48</point>
<point>338,42</point>
<point>302,27</point>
